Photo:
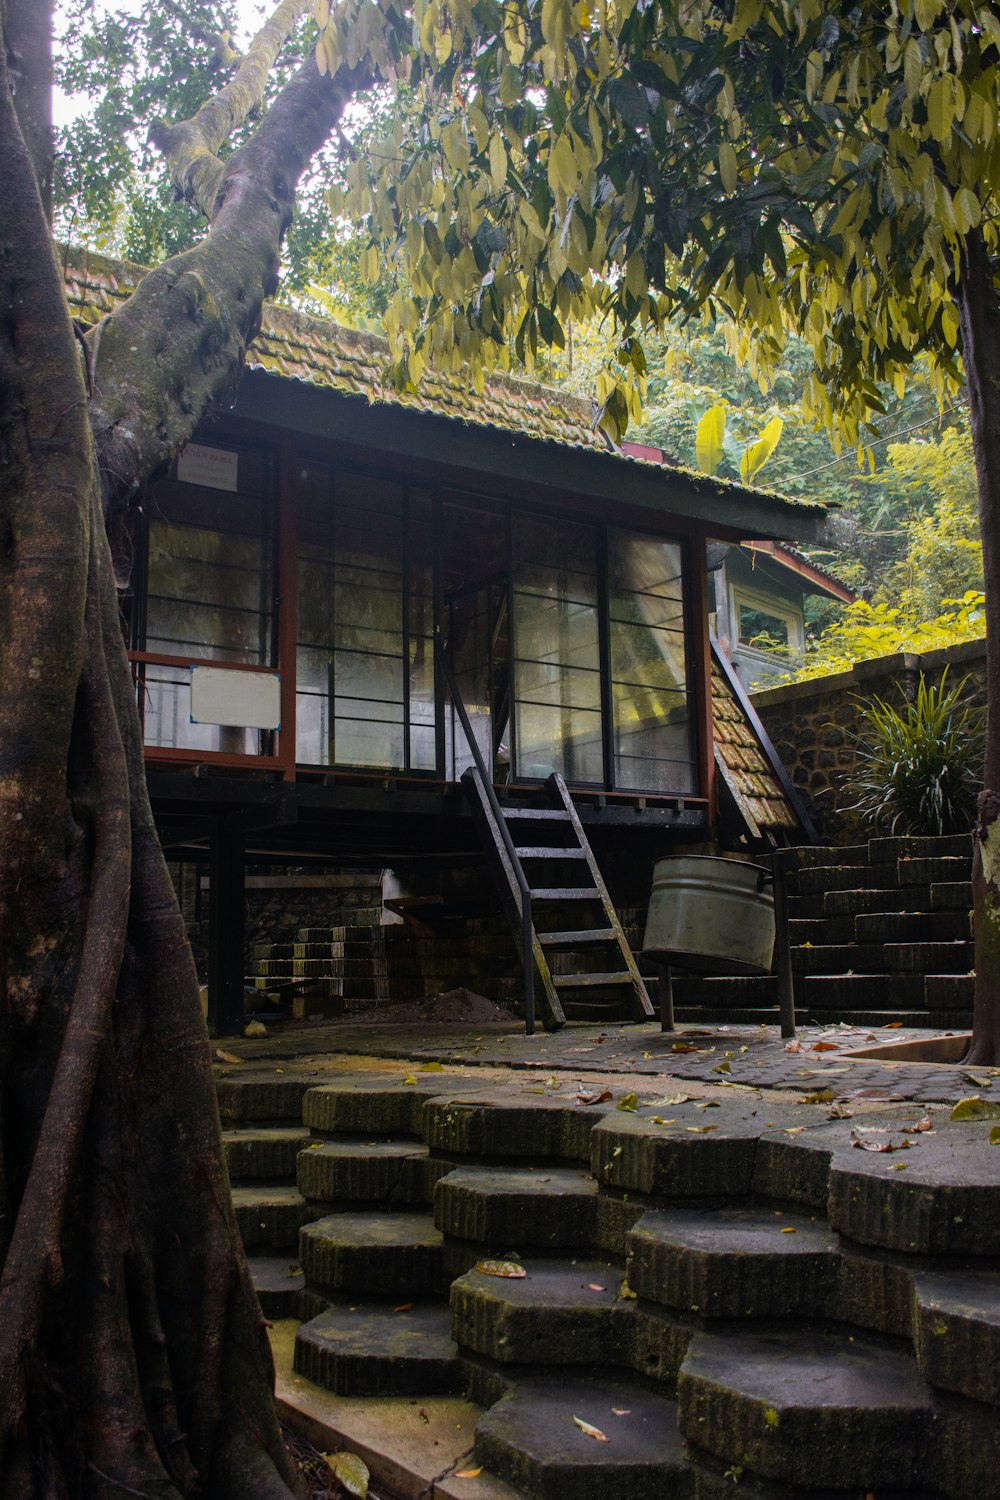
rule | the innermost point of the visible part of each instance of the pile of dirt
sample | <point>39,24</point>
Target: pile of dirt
<point>459,1007</point>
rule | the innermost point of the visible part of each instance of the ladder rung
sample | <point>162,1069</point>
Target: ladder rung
<point>566,893</point>
<point>571,939</point>
<point>543,851</point>
<point>540,814</point>
<point>585,981</point>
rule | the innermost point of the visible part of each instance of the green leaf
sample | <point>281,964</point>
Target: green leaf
<point>709,436</point>
<point>351,1472</point>
<point>628,1103</point>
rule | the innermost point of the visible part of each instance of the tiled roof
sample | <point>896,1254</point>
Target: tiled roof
<point>323,353</point>
<point>743,763</point>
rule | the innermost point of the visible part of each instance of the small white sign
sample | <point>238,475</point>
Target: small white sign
<point>246,700</point>
<point>215,468</point>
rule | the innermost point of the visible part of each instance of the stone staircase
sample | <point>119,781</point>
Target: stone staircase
<point>713,1293</point>
<point>879,932</point>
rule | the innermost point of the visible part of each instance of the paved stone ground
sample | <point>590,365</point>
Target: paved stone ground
<point>724,1057</point>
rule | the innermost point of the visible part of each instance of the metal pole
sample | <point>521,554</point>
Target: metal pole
<point>782,948</point>
<point>666,988</point>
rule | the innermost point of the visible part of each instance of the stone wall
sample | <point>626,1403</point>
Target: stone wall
<point>815,726</point>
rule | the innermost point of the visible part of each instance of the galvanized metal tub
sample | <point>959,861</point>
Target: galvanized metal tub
<point>711,914</point>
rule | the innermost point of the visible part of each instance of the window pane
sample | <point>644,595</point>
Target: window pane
<point>555,739</point>
<point>760,628</point>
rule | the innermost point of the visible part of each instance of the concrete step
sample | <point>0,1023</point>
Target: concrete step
<point>951,894</point>
<point>949,992</point>
<point>929,958</point>
<point>957,1332</point>
<point>262,1152</point>
<point>913,846</point>
<point>823,993</point>
<point>821,930</point>
<point>490,1123</point>
<point>813,856</point>
<point>394,1254</point>
<point>849,902</point>
<point>912,927</point>
<point>261,1095</point>
<point>270,1216</point>
<point>365,1171</point>
<point>559,1313</point>
<point>380,1348</point>
<point>932,870</point>
<point>809,1408</point>
<point>502,1208</point>
<point>842,877</point>
<point>277,1280</point>
<point>734,1262</point>
<point>841,958</point>
<point>532,1439</point>
<point>379,1105</point>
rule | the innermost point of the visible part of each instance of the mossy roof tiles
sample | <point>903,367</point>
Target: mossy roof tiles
<point>746,766</point>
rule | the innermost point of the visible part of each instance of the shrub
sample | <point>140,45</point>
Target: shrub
<point>921,767</point>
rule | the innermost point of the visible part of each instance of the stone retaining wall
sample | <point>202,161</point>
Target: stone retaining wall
<point>815,726</point>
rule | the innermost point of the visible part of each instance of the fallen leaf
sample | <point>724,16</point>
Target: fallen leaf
<point>722,1067</point>
<point>708,1104</point>
<point>431,1067</point>
<point>409,1078</point>
<point>683,1047</point>
<point>621,1411</point>
<point>975,1108</point>
<point>626,1293</point>
<point>870,1145</point>
<point>974,1079</point>
<point>404,1307</point>
<point>659,1120</point>
<point>508,1268</point>
<point>825,1096</point>
<point>671,1100</point>
<point>468,1473</point>
<point>628,1103</point>
<point>824,1047</point>
<point>793,1046</point>
<point>594,1098</point>
<point>995,1136</point>
<point>227,1057</point>
<point>788,1229</point>
<point>701,1129</point>
<point>294,1270</point>
<point>593,1286</point>
<point>589,1431</point>
<point>926,1124</point>
<point>893,1025</point>
<point>351,1471</point>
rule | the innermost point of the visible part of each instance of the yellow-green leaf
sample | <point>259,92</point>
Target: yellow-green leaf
<point>974,1108</point>
<point>728,167</point>
<point>708,439</point>
<point>351,1472</point>
<point>758,453</point>
<point>627,1102</point>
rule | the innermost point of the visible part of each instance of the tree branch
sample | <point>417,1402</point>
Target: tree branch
<point>220,41</point>
<point>191,146</point>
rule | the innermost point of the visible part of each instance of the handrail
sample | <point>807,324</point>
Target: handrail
<point>527,935</point>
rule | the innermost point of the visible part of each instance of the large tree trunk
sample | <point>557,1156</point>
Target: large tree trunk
<point>979,311</point>
<point>133,1354</point>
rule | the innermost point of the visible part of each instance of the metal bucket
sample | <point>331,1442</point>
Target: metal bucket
<point>711,914</point>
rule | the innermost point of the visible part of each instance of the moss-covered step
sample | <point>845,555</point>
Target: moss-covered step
<point>809,1408</point>
<point>270,1216</point>
<point>734,1262</point>
<point>521,1208</point>
<point>693,1149</point>
<point>254,1152</point>
<point>277,1280</point>
<point>380,1348</point>
<point>491,1123</point>
<point>397,1254</point>
<point>378,1104</point>
<point>360,1171</point>
<point>534,1440</point>
<point>261,1095</point>
<point>558,1313</point>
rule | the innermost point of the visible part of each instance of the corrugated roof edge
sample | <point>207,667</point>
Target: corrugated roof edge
<point>86,269</point>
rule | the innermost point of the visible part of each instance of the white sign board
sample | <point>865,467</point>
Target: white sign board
<point>247,700</point>
<point>214,468</point>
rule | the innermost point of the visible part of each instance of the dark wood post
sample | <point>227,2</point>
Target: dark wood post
<point>226,927</point>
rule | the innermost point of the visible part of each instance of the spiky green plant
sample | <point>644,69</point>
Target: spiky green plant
<point>920,767</point>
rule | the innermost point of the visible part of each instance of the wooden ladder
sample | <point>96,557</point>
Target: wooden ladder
<point>549,838</point>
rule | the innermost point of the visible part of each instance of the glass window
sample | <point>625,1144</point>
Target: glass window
<point>762,629</point>
<point>653,749</point>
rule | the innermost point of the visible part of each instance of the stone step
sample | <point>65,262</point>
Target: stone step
<point>823,958</point>
<point>258,1096</point>
<point>871,899</point>
<point>277,1280</point>
<point>382,1105</point>
<point>505,1208</point>
<point>841,877</point>
<point>812,856</point>
<point>364,1171</point>
<point>268,1152</point>
<point>951,894</point>
<point>809,1408</point>
<point>559,1313</point>
<point>911,926</point>
<point>380,1348</point>
<point>320,968</point>
<point>949,992</point>
<point>822,993</point>
<point>394,1254</point>
<point>957,1332</point>
<point>913,846</point>
<point>931,870</point>
<point>532,1439</point>
<point>270,1216</point>
<point>492,1123</point>
<point>929,958</point>
<point>733,1262</point>
<point>821,930</point>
